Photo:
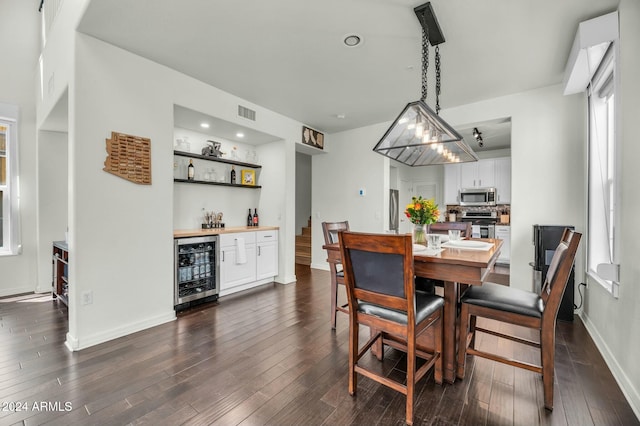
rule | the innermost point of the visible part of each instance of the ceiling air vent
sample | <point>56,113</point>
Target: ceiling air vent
<point>246,113</point>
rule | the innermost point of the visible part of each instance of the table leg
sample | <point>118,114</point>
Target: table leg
<point>449,335</point>
<point>334,295</point>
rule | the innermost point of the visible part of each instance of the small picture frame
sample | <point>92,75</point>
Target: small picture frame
<point>312,137</point>
<point>248,177</point>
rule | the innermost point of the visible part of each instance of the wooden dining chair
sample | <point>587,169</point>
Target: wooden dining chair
<point>378,272</point>
<point>522,308</point>
<point>330,231</point>
<point>444,227</point>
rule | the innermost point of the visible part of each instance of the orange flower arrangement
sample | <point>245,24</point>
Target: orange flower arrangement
<point>421,211</point>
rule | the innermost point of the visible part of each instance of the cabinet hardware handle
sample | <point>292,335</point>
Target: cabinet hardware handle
<point>258,250</point>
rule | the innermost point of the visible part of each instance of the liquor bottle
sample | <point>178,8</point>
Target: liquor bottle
<point>233,174</point>
<point>190,170</point>
<point>249,219</point>
<point>255,217</point>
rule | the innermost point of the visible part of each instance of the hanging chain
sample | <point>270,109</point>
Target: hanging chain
<point>437,80</point>
<point>425,60</point>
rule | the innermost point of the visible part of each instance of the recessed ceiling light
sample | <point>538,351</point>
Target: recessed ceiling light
<point>240,135</point>
<point>352,40</point>
<point>341,116</point>
<point>204,125</point>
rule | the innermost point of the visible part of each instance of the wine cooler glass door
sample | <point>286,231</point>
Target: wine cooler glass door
<point>196,271</point>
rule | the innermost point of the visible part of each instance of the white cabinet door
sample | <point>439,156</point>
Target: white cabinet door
<point>267,260</point>
<point>468,175</point>
<point>233,273</point>
<point>267,256</point>
<point>503,180</point>
<point>479,174</point>
<point>451,183</point>
<point>504,233</point>
<point>486,173</point>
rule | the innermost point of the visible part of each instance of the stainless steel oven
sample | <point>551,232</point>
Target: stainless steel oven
<point>483,222</point>
<point>483,231</point>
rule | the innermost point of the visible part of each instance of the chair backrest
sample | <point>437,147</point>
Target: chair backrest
<point>378,268</point>
<point>331,229</point>
<point>558,274</point>
<point>444,227</point>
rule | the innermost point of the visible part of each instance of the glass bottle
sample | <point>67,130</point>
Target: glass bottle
<point>190,171</point>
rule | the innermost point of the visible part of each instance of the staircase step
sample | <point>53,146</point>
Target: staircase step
<point>301,251</point>
<point>303,239</point>
<point>303,260</point>
<point>306,230</point>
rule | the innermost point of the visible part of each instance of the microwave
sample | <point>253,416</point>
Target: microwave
<point>478,197</point>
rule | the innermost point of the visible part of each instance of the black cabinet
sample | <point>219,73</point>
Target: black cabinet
<point>546,239</point>
<point>60,289</point>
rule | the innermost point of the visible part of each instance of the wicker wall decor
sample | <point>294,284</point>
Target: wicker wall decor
<point>129,157</point>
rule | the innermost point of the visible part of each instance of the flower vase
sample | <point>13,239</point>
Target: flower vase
<point>420,234</point>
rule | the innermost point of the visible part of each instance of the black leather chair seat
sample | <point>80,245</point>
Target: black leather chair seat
<point>507,299</point>
<point>426,304</point>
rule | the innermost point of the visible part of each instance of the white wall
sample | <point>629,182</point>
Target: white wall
<point>19,44</point>
<point>547,177</point>
<point>348,165</point>
<point>615,323</point>
<point>303,190</point>
<point>190,199</point>
<point>120,233</point>
<point>53,186</point>
<point>547,174</point>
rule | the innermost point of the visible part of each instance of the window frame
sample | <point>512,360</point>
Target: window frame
<point>11,244</point>
<point>603,107</point>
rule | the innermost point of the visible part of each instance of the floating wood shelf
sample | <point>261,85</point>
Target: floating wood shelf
<point>217,159</point>
<point>206,182</point>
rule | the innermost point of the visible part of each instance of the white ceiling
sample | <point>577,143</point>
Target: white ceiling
<point>288,55</point>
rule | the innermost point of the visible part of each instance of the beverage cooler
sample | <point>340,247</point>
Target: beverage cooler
<point>196,271</point>
<point>546,239</point>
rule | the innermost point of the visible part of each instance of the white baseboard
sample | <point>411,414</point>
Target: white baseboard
<point>288,279</point>
<point>628,389</point>
<point>73,343</point>
<point>324,266</point>
<point>15,290</point>
<point>247,286</point>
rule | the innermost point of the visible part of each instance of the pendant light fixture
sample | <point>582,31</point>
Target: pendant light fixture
<point>419,137</point>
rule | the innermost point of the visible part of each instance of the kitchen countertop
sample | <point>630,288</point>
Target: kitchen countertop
<point>182,233</point>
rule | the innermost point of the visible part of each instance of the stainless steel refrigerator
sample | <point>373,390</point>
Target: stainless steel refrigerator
<point>546,239</point>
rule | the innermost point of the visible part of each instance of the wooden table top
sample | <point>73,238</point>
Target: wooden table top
<point>461,265</point>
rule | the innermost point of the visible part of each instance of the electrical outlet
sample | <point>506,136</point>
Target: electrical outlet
<point>87,297</point>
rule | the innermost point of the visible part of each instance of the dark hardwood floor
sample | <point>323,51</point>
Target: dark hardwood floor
<point>269,357</point>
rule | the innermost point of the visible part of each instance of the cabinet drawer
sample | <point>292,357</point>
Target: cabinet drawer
<point>502,229</point>
<point>227,240</point>
<point>265,236</point>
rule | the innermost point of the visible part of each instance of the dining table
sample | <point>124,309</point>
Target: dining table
<point>456,266</point>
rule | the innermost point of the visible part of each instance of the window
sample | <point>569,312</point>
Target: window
<point>603,180</point>
<point>9,240</point>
